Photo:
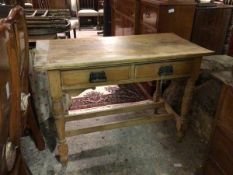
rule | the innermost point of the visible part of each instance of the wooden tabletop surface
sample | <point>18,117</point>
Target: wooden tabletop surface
<point>102,51</point>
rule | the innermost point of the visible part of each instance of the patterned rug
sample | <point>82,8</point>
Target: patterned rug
<point>108,95</point>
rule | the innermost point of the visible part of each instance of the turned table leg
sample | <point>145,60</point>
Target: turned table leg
<point>56,95</point>
<point>187,98</point>
<point>60,127</point>
<point>157,95</point>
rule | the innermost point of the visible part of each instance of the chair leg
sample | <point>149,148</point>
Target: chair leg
<point>100,33</point>
<point>98,22</point>
<point>68,34</point>
<point>74,30</point>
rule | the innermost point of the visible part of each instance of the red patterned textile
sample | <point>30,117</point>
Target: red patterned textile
<point>127,93</point>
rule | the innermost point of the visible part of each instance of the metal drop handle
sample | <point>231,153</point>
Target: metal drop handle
<point>97,77</point>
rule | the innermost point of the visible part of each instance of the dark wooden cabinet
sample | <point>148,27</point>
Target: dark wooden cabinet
<point>167,16</point>
<point>211,25</point>
<point>122,17</point>
<point>152,16</point>
<point>220,160</point>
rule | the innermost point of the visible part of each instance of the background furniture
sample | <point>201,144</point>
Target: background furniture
<point>50,4</point>
<point>12,2</point>
<point>211,25</point>
<point>87,12</point>
<point>107,18</point>
<point>4,10</point>
<point>42,26</point>
<point>74,21</point>
<point>100,14</point>
<point>220,158</point>
<point>167,16</point>
<point>123,16</point>
<point>60,8</point>
<point>46,23</point>
<point>147,16</point>
<point>228,48</point>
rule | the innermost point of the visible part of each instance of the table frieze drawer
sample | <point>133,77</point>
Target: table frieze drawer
<point>169,70</point>
<point>95,76</point>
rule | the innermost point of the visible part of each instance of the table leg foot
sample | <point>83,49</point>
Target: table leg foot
<point>179,136</point>
<point>181,126</point>
<point>63,153</point>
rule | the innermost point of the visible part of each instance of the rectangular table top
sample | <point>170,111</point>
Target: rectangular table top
<point>110,51</point>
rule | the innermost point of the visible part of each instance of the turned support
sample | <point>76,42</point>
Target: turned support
<point>58,110</point>
<point>187,98</point>
<point>157,95</point>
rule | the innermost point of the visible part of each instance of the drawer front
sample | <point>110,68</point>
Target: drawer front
<point>82,77</point>
<point>169,70</point>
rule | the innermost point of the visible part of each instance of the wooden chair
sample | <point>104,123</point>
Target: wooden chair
<point>11,160</point>
<point>22,116</point>
<point>87,11</point>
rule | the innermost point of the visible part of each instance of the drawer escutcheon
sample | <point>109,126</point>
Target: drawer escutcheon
<point>97,77</point>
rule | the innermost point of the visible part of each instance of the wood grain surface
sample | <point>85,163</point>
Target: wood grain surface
<point>94,52</point>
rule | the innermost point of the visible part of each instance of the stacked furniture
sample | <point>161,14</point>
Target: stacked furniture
<point>47,23</point>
